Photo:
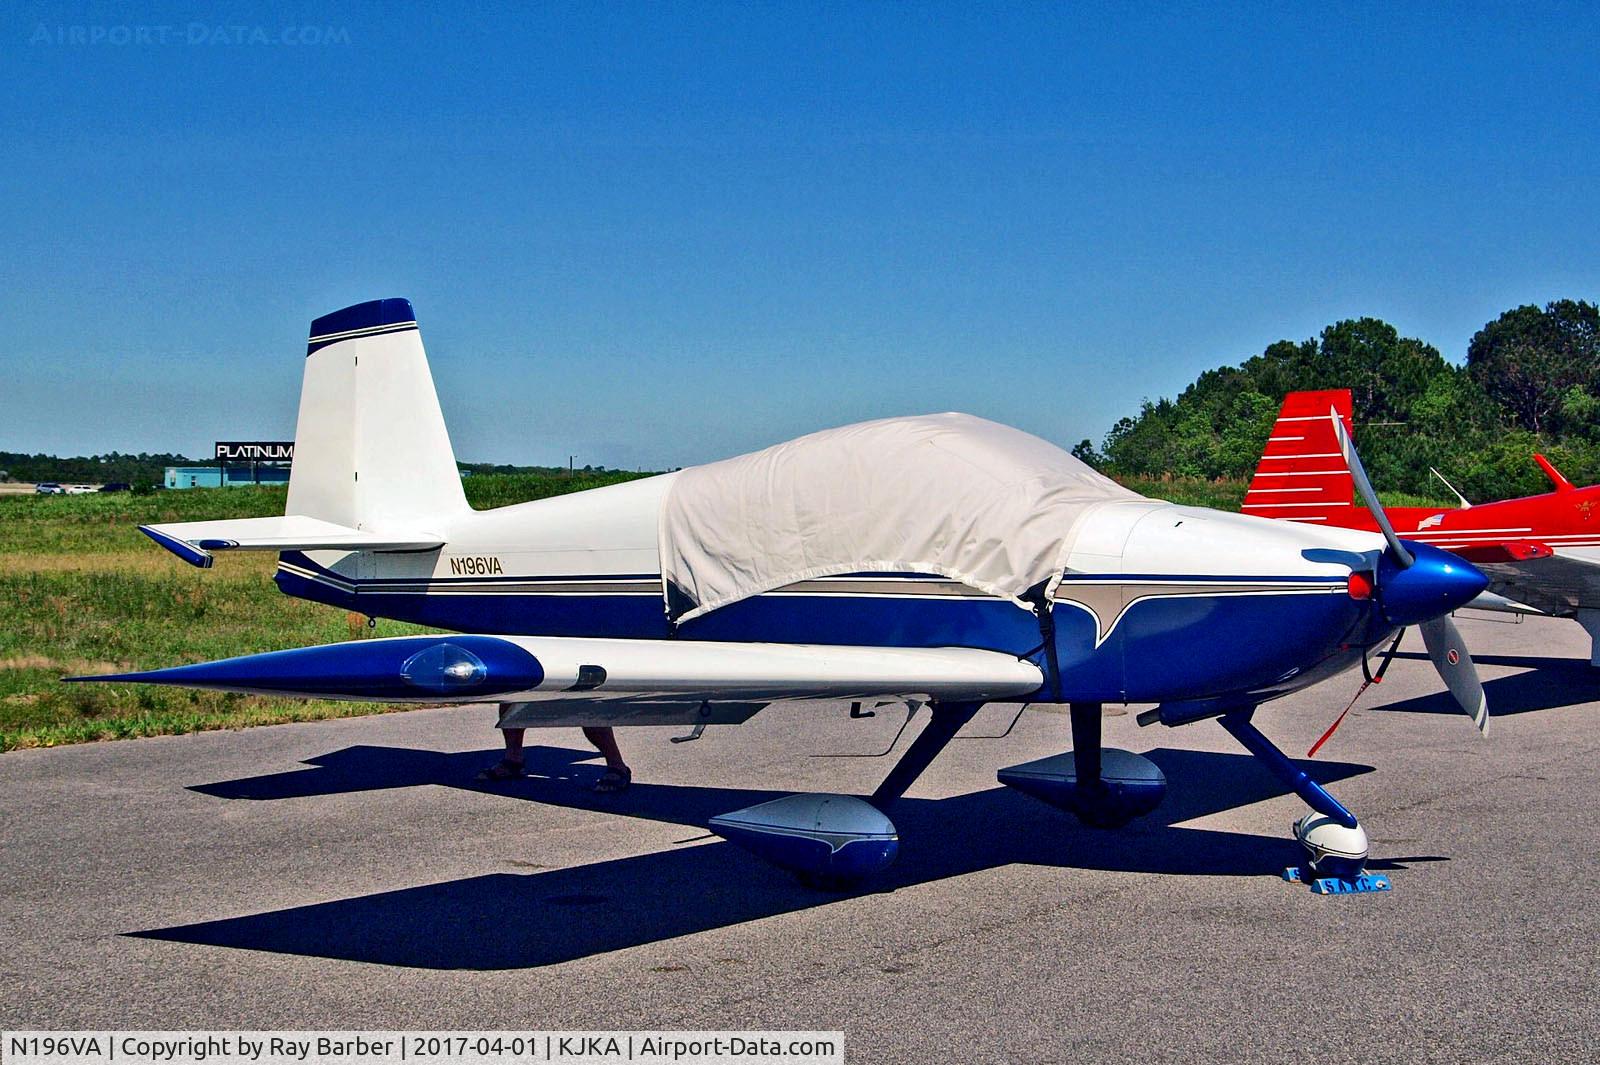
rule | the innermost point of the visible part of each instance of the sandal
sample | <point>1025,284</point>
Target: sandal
<point>505,769</point>
<point>614,780</point>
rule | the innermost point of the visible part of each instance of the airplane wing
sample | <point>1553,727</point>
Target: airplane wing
<point>193,541</point>
<point>1556,583</point>
<point>563,681</point>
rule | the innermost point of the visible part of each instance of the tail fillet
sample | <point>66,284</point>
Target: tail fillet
<point>1301,476</point>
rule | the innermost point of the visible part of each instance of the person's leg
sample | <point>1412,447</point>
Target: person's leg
<point>617,775</point>
<point>605,741</point>
<point>510,765</point>
<point>513,737</point>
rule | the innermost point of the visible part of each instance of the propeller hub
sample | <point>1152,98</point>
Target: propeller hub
<point>1436,583</point>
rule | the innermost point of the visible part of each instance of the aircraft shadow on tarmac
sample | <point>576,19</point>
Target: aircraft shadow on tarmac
<point>522,920</point>
<point>1544,684</point>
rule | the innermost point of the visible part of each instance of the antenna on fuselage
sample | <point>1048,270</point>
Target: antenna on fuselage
<point>1447,484</point>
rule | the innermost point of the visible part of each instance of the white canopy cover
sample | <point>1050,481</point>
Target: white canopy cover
<point>951,494</point>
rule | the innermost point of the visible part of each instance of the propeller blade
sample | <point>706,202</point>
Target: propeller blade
<point>1358,474</point>
<point>1450,658</point>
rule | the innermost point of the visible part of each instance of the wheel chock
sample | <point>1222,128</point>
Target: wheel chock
<point>1364,884</point>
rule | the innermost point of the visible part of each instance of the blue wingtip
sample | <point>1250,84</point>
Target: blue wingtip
<point>408,668</point>
<point>189,553</point>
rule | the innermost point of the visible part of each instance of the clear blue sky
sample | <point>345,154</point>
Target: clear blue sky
<point>661,234</point>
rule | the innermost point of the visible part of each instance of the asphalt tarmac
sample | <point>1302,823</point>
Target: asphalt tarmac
<point>351,874</point>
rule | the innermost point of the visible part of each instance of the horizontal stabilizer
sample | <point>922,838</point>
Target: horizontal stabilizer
<point>193,541</point>
<point>564,671</point>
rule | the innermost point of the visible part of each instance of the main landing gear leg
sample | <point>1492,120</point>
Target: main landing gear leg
<point>947,720</point>
<point>1335,843</point>
<point>832,842</point>
<point>1093,809</point>
<point>1104,788</point>
<point>1589,618</point>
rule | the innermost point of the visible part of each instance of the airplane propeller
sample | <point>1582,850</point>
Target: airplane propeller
<point>1358,473</point>
<point>1405,597</point>
<point>1451,658</point>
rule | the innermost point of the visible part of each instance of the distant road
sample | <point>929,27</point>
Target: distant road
<point>27,488</point>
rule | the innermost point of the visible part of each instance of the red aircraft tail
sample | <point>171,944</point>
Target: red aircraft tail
<point>1301,475</point>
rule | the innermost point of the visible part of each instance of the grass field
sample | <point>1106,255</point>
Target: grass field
<point>84,592</point>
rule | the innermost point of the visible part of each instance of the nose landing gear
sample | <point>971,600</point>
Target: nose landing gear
<point>1335,842</point>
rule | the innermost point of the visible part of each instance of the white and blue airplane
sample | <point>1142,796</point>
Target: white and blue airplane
<point>938,560</point>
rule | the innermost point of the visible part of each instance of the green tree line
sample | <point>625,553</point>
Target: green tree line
<point>1531,382</point>
<point>143,468</point>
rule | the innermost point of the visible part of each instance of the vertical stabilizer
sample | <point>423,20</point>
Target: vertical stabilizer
<point>371,451</point>
<point>1301,475</point>
<point>1557,478</point>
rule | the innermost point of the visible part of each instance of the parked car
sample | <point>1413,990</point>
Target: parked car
<point>81,489</point>
<point>49,488</point>
<point>117,486</point>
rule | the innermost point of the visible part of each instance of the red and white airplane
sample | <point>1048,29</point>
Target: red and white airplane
<point>1541,553</point>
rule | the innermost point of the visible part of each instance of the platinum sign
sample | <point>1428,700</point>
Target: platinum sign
<point>255,450</point>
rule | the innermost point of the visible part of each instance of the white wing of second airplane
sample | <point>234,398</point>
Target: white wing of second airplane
<point>1567,581</point>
